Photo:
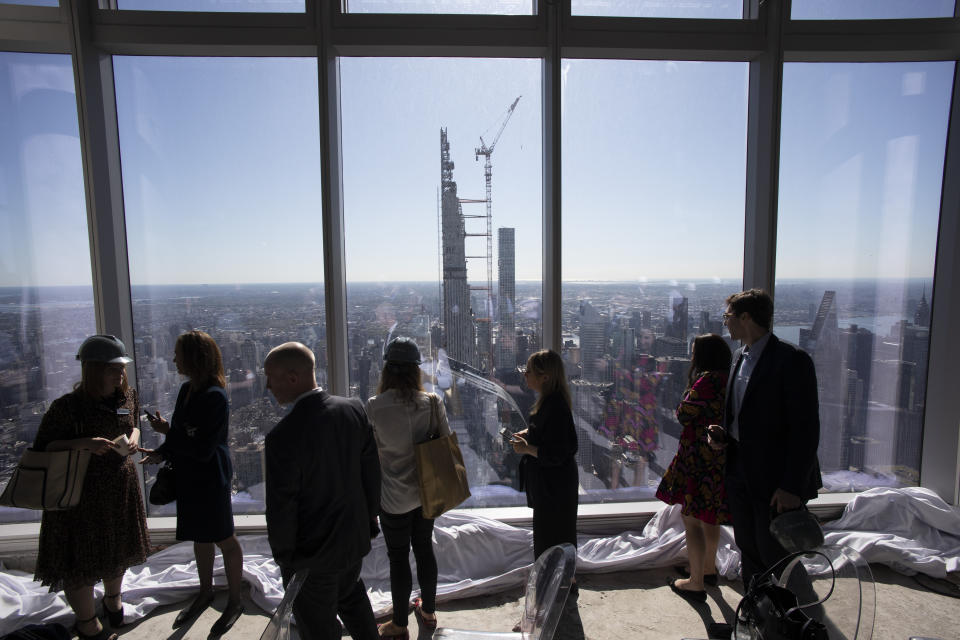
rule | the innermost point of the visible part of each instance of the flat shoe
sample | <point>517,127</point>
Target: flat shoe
<point>402,634</point>
<point>226,620</point>
<point>692,596</point>
<point>429,625</point>
<point>195,609</point>
<point>709,579</point>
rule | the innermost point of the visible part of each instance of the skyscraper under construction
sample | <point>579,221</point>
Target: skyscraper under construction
<point>458,325</point>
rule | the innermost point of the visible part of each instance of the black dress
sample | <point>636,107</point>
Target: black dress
<point>551,480</point>
<point>197,446</point>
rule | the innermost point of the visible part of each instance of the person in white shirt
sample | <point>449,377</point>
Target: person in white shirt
<point>404,415</point>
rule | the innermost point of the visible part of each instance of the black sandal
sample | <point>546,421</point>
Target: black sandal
<point>115,618</point>
<point>100,635</point>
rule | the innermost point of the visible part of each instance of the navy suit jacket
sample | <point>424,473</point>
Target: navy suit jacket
<point>778,424</point>
<point>322,484</point>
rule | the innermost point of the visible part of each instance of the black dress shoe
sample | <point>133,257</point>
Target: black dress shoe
<point>692,596</point>
<point>229,616</point>
<point>709,579</point>
<point>196,607</point>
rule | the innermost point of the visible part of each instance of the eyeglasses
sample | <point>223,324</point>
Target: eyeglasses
<point>727,316</point>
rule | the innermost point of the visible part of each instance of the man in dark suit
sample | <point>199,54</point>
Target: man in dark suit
<point>323,495</point>
<point>771,430</point>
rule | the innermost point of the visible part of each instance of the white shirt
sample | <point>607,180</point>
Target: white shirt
<point>397,426</point>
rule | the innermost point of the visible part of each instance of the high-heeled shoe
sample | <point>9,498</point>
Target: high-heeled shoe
<point>230,615</point>
<point>196,607</point>
<point>103,634</point>
<point>115,618</point>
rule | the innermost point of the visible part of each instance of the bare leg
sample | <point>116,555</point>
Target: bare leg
<point>81,601</point>
<point>695,551</point>
<point>232,566</point>
<point>112,589</point>
<point>711,536</point>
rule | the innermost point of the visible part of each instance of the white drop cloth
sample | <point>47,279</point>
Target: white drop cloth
<point>911,530</point>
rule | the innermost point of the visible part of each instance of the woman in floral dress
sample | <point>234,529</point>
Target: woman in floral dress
<point>694,479</point>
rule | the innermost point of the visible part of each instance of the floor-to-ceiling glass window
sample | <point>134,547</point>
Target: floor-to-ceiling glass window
<point>46,295</point>
<point>861,169</point>
<point>221,181</point>
<point>654,162</point>
<point>442,211</point>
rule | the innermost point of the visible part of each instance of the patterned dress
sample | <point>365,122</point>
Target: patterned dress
<point>107,531</point>
<point>694,479</point>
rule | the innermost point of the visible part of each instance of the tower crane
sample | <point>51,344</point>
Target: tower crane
<point>487,150</point>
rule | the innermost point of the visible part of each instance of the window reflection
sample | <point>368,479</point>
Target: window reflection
<point>46,297</point>
<point>653,184</point>
<point>861,167</point>
<point>220,173</point>
<point>423,258</point>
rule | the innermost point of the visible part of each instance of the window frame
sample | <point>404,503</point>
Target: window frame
<point>767,38</point>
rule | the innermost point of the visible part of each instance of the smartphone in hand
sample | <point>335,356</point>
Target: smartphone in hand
<point>506,434</point>
<point>717,434</point>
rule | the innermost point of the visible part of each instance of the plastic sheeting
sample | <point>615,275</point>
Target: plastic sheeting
<point>911,530</point>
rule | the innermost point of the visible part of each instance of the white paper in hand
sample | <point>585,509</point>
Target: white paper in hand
<point>123,444</point>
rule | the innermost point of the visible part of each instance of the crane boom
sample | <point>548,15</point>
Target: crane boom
<point>486,357</point>
<point>485,150</point>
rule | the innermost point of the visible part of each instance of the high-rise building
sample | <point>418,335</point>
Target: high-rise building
<point>678,326</point>
<point>458,325</point>
<point>506,298</point>
<point>593,342</point>
<point>822,342</point>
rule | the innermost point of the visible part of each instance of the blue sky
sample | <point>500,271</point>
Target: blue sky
<point>221,167</point>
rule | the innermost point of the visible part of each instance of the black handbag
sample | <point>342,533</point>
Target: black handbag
<point>164,489</point>
<point>773,612</point>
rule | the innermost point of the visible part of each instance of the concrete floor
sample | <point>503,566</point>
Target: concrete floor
<point>635,605</point>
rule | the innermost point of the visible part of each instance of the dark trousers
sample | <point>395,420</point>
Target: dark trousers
<point>550,528</point>
<point>400,531</point>
<point>325,595</point>
<point>759,550</point>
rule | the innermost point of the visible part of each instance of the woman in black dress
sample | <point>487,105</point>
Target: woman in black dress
<point>107,531</point>
<point>196,445</point>
<point>548,469</point>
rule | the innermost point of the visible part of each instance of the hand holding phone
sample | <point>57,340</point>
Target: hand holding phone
<point>716,436</point>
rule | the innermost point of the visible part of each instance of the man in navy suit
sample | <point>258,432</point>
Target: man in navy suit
<point>323,495</point>
<point>771,430</point>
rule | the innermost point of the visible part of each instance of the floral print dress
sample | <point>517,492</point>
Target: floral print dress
<point>107,531</point>
<point>694,479</point>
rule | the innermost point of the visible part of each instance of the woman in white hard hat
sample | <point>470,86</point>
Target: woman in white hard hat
<point>107,531</point>
<point>401,416</point>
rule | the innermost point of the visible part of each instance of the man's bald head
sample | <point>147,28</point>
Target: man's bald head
<point>290,371</point>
